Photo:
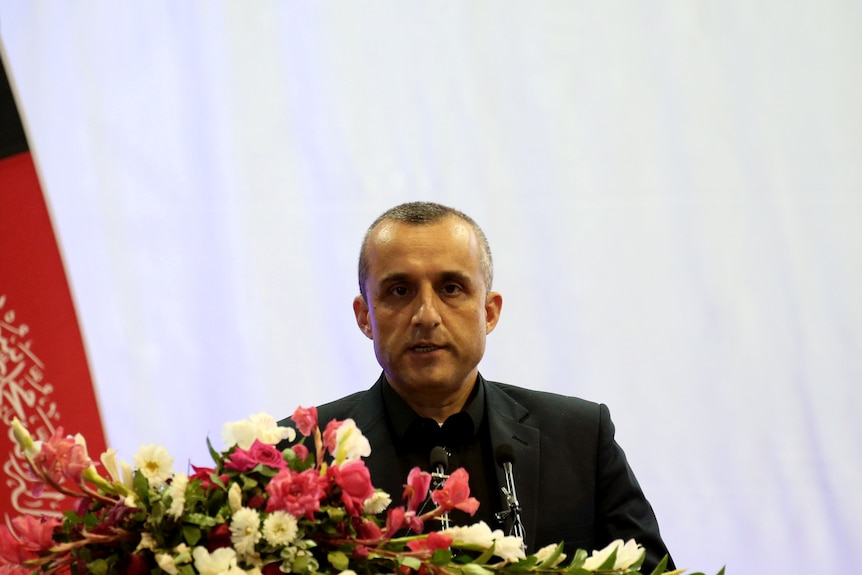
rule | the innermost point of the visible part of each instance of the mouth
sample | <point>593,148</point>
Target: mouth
<point>425,348</point>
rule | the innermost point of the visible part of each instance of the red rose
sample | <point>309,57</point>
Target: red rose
<point>218,537</point>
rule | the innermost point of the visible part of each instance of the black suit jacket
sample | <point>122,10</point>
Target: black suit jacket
<point>572,479</point>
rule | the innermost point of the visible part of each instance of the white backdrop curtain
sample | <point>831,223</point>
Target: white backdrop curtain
<point>671,191</point>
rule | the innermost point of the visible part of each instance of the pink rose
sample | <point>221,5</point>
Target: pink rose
<point>305,419</point>
<point>296,493</point>
<point>259,453</point>
<point>267,454</point>
<point>455,493</point>
<point>355,482</point>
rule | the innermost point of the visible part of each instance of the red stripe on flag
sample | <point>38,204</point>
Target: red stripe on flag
<point>44,376</point>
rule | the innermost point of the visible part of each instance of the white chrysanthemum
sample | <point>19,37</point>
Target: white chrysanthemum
<point>506,547</point>
<point>259,426</point>
<point>350,443</point>
<point>155,463</point>
<point>628,554</point>
<point>279,529</point>
<point>177,492</point>
<point>377,503</point>
<point>166,563</point>
<point>234,497</point>
<point>245,531</point>
<point>221,561</point>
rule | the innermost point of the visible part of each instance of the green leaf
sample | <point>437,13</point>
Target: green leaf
<point>411,562</point>
<point>577,560</point>
<point>142,487</point>
<point>553,557</point>
<point>474,569</point>
<point>608,563</point>
<point>338,559</point>
<point>661,567</point>
<point>213,453</point>
<point>98,567</point>
<point>528,564</point>
<point>191,534</point>
<point>485,557</point>
<point>441,557</point>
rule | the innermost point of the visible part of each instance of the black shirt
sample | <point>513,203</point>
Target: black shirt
<point>464,436</point>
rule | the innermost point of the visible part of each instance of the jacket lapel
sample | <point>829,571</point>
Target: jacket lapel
<point>505,423</point>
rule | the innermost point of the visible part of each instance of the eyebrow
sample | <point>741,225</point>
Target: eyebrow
<point>445,276</point>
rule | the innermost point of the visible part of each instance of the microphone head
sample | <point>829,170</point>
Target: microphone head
<point>439,458</point>
<point>504,453</point>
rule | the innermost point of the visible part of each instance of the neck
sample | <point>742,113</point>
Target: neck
<point>436,405</point>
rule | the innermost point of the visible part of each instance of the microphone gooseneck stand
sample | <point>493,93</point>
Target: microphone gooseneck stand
<point>505,456</point>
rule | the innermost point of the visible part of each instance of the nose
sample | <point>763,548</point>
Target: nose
<point>426,313</point>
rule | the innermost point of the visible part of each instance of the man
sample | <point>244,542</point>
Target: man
<point>425,274</point>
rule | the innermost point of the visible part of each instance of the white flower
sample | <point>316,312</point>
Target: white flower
<point>377,503</point>
<point>147,542</point>
<point>506,547</point>
<point>627,555</point>
<point>166,562</point>
<point>545,553</point>
<point>221,561</point>
<point>350,444</point>
<point>155,463</point>
<point>234,497</point>
<point>245,531</point>
<point>259,426</point>
<point>279,529</point>
<point>177,492</point>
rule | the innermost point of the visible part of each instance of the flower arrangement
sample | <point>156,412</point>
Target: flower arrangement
<point>264,511</point>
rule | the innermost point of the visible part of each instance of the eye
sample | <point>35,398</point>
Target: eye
<point>451,289</point>
<point>399,291</point>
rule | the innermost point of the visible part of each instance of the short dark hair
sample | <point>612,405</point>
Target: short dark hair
<point>421,213</point>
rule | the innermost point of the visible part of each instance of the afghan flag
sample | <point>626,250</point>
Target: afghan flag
<point>44,377</point>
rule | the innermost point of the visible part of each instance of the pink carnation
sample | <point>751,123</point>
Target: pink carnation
<point>354,480</point>
<point>416,488</point>
<point>455,493</point>
<point>305,419</point>
<point>296,493</point>
<point>433,542</point>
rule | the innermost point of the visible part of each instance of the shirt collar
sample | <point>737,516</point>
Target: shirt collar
<point>401,415</point>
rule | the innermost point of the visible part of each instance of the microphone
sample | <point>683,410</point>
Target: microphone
<point>505,456</point>
<point>439,465</point>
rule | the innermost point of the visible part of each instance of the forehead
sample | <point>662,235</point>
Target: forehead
<point>449,245</point>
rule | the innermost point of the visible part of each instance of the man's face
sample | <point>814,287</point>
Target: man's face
<point>427,310</point>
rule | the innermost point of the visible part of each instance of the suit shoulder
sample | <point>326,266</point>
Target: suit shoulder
<point>339,408</point>
<point>546,403</point>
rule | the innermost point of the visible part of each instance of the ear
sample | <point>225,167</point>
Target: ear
<point>493,305</point>
<point>360,310</point>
